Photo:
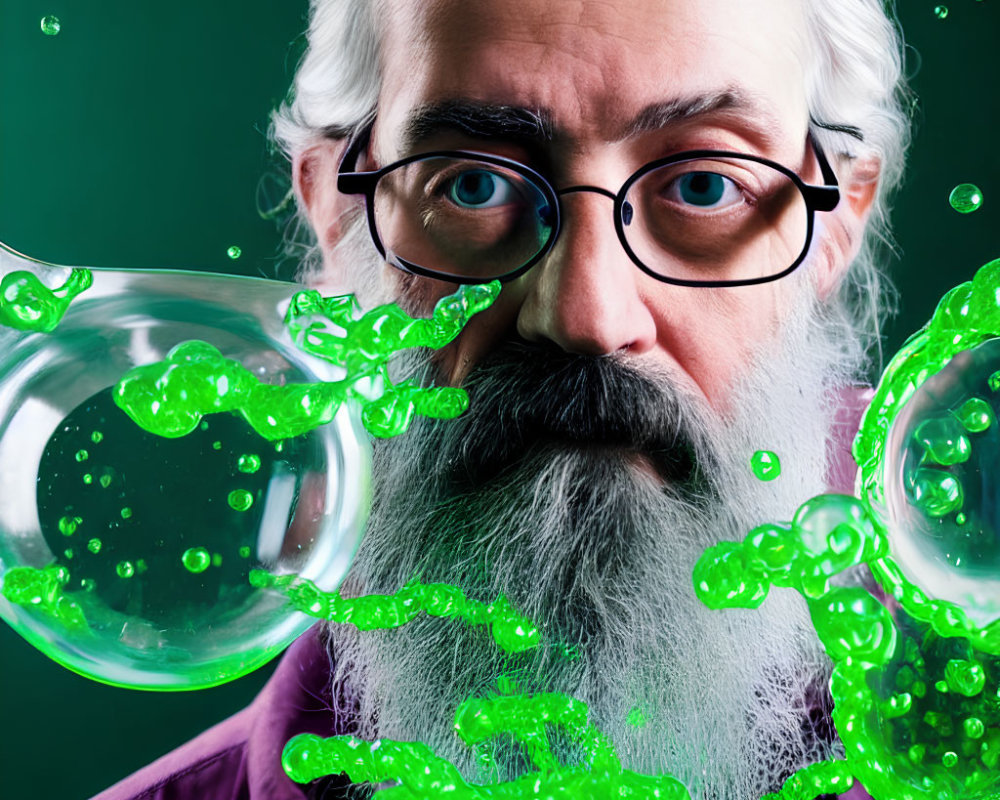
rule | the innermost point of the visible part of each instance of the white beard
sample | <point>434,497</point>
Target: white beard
<point>585,541</point>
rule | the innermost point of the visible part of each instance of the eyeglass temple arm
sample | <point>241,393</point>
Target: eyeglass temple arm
<point>823,198</point>
<point>348,180</point>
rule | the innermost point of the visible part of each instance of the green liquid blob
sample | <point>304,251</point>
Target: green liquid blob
<point>248,463</point>
<point>94,546</point>
<point>240,500</point>
<point>68,525</point>
<point>68,552</point>
<point>50,25</point>
<point>234,252</point>
<point>96,437</point>
<point>943,440</point>
<point>965,677</point>
<point>941,12</point>
<point>974,728</point>
<point>88,478</point>
<point>126,513</point>
<point>965,198</point>
<point>28,305</point>
<point>43,589</point>
<point>196,559</point>
<point>125,569</point>
<point>244,552</point>
<point>936,493</point>
<point>976,415</point>
<point>169,398</point>
<point>766,465</point>
<point>82,455</point>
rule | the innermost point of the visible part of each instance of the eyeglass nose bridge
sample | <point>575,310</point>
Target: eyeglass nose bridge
<point>626,211</point>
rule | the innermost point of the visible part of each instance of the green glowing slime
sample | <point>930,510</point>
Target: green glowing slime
<point>27,304</point>
<point>170,397</point>
<point>916,690</point>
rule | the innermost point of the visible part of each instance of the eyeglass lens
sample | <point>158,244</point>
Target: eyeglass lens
<point>711,219</point>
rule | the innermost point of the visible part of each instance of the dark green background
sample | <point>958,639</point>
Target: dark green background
<point>134,139</point>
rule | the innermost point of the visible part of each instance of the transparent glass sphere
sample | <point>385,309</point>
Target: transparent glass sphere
<point>942,484</point>
<point>141,547</point>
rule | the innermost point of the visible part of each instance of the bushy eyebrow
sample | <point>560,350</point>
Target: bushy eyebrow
<point>523,125</point>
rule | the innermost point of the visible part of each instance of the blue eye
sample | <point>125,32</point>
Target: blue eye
<point>477,188</point>
<point>704,189</point>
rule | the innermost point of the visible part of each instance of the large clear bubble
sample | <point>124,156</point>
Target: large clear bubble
<point>126,556</point>
<point>942,484</point>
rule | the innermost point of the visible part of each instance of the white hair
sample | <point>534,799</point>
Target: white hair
<point>857,93</point>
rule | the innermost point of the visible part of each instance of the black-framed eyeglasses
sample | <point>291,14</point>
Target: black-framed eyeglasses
<point>697,218</point>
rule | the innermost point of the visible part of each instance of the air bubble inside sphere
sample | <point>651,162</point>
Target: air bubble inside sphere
<point>941,476</point>
<point>139,576</point>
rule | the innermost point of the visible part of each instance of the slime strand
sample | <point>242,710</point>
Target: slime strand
<point>170,397</point>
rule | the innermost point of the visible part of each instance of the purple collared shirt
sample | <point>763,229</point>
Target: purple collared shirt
<point>240,758</point>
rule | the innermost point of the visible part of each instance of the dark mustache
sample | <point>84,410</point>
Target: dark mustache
<point>526,394</point>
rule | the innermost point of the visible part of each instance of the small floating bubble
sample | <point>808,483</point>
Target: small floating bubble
<point>960,519</point>
<point>97,437</point>
<point>248,462</point>
<point>51,25</point>
<point>245,552</point>
<point>105,480</point>
<point>68,552</point>
<point>994,381</point>
<point>87,584</point>
<point>234,252</point>
<point>974,728</point>
<point>965,198</point>
<point>216,445</point>
<point>88,478</point>
<point>766,465</point>
<point>976,415</point>
<point>126,512</point>
<point>940,11</point>
<point>240,499</point>
<point>196,559</point>
<point>82,455</point>
<point>949,759</point>
<point>94,546</point>
<point>125,569</point>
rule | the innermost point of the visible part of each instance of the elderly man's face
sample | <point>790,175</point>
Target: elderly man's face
<point>593,68</point>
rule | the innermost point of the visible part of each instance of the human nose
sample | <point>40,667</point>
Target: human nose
<point>585,295</point>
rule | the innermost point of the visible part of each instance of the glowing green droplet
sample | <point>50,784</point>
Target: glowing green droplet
<point>51,25</point>
<point>248,463</point>
<point>245,552</point>
<point>965,198</point>
<point>994,381</point>
<point>916,753</point>
<point>976,415</point>
<point>125,569</point>
<point>68,552</point>
<point>960,519</point>
<point>82,455</point>
<point>88,478</point>
<point>279,446</point>
<point>234,252</point>
<point>68,525</point>
<point>940,11</point>
<point>216,445</point>
<point>974,728</point>
<point>97,437</point>
<point>105,480</point>
<point>766,465</point>
<point>94,546</point>
<point>949,759</point>
<point>88,584</point>
<point>240,499</point>
<point>965,677</point>
<point>936,493</point>
<point>126,512</point>
<point>216,559</point>
<point>196,559</point>
<point>943,440</point>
